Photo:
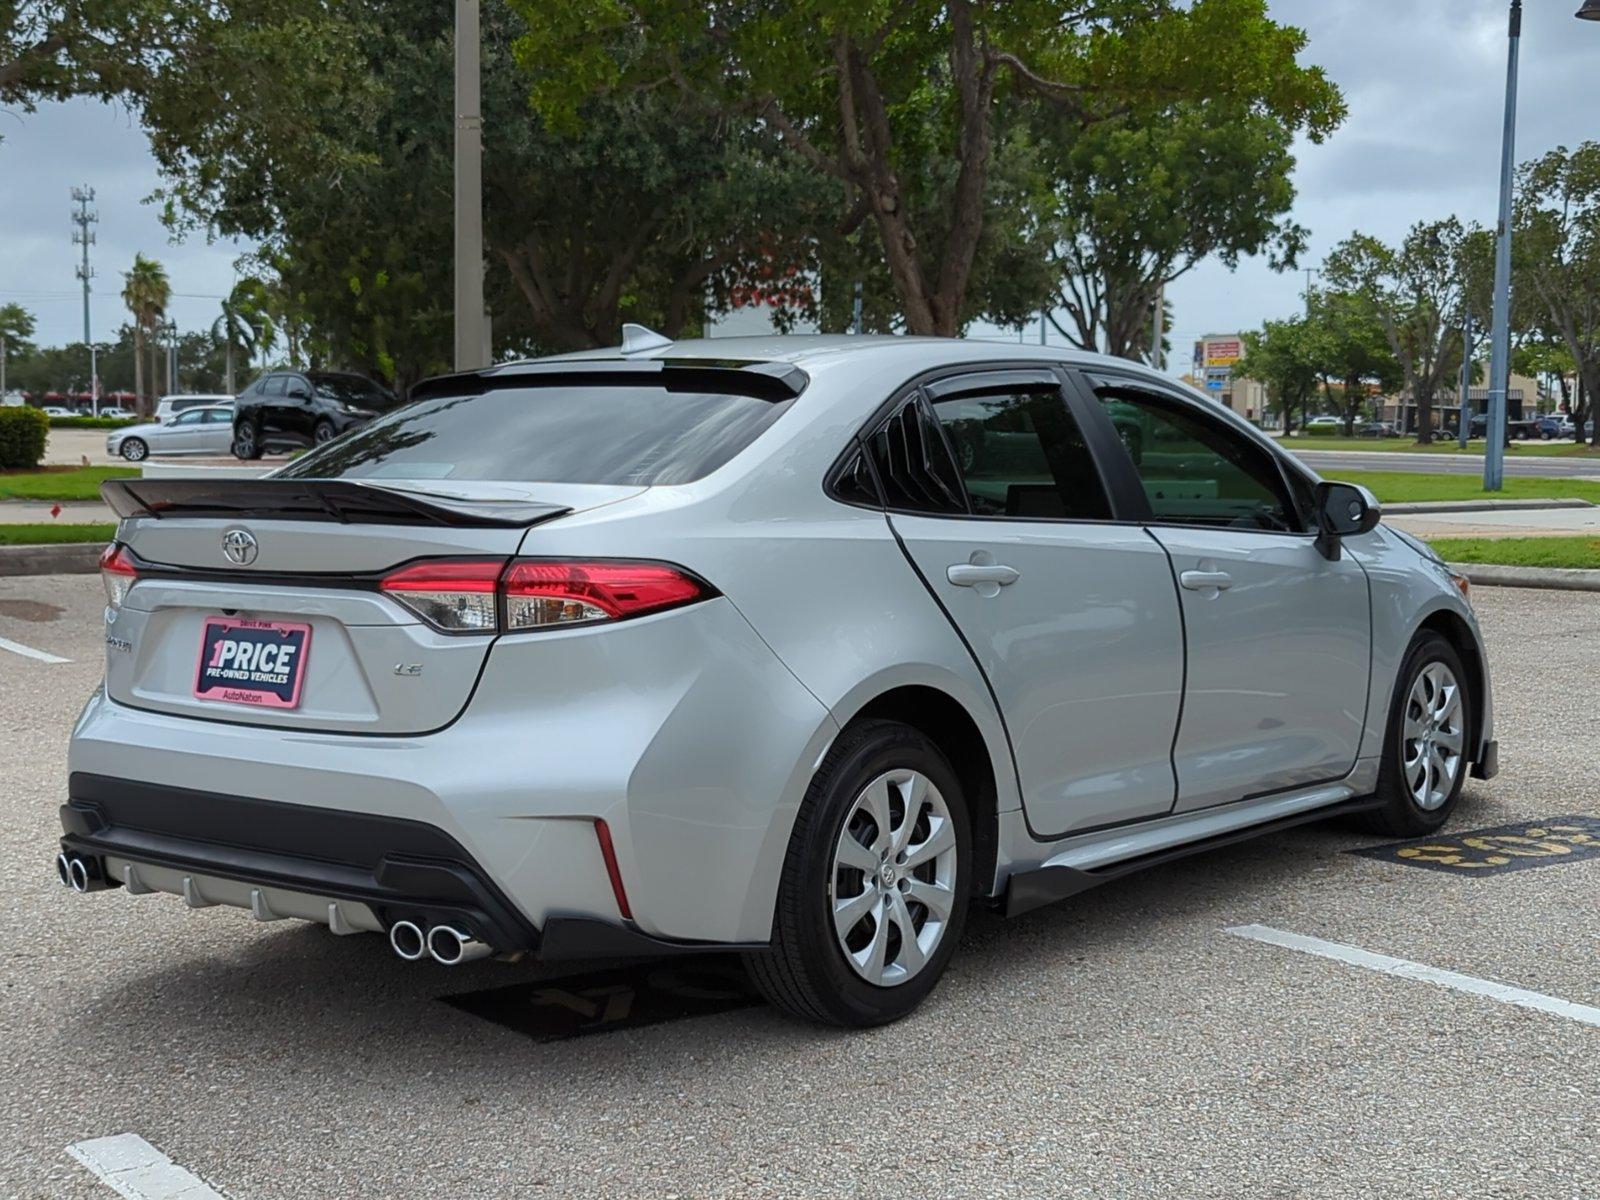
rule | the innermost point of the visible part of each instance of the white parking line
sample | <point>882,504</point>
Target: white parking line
<point>30,652</point>
<point>1406,969</point>
<point>132,1167</point>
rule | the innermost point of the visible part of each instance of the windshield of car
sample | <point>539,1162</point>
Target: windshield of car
<point>558,433</point>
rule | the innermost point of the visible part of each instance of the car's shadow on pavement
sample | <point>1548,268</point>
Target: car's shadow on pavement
<point>298,991</point>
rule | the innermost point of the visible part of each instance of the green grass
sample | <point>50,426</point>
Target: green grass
<point>54,534</point>
<point>1580,552</point>
<point>1406,445</point>
<point>1404,487</point>
<point>64,483</point>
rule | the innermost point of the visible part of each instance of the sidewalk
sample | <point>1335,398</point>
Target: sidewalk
<point>1548,522</point>
<point>37,512</point>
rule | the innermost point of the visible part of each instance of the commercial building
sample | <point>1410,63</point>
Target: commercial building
<point>1215,357</point>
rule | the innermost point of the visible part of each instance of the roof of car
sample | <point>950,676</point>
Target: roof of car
<point>808,350</point>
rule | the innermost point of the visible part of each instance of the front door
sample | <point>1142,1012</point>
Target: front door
<point>1072,617</point>
<point>1279,637</point>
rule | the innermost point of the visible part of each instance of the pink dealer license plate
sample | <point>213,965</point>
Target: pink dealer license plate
<point>252,662</point>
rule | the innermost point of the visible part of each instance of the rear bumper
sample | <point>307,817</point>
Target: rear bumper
<point>356,871</point>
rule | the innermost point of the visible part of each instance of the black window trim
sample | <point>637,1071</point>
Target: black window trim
<point>943,383</point>
<point>1092,381</point>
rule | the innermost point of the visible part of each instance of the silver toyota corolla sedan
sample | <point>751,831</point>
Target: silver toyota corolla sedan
<point>786,646</point>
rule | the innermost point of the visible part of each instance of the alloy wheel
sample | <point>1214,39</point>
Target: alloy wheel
<point>1433,737</point>
<point>892,885</point>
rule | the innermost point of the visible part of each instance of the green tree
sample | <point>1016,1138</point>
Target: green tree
<point>16,333</point>
<point>1288,357</point>
<point>1556,241</point>
<point>53,49</point>
<point>1140,202</point>
<point>146,292</point>
<point>337,156</point>
<point>898,107</point>
<point>1352,350</point>
<point>1417,293</point>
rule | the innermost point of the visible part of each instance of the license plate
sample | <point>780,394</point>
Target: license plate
<point>252,662</point>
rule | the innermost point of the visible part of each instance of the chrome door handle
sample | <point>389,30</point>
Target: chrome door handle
<point>1197,581</point>
<point>971,574</point>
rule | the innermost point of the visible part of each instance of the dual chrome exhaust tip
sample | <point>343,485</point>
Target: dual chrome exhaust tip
<point>445,944</point>
<point>79,873</point>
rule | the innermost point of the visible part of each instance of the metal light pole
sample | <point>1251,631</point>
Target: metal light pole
<point>470,337</point>
<point>1500,343</point>
<point>1500,346</point>
<point>1465,422</point>
<point>84,236</point>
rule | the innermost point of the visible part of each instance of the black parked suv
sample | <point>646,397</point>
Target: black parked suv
<point>289,410</point>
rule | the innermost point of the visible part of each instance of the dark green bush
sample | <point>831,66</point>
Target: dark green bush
<point>22,436</point>
<point>89,422</point>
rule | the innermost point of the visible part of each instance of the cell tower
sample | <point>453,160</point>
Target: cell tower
<point>83,236</point>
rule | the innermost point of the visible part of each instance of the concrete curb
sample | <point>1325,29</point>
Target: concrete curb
<point>1555,578</point>
<point>60,558</point>
<point>183,470</point>
<point>1453,506</point>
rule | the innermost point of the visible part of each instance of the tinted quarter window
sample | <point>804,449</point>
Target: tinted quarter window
<point>555,433</point>
<point>1022,455</point>
<point>913,463</point>
<point>1197,471</point>
<point>272,385</point>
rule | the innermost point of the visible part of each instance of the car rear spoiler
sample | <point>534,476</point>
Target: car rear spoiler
<point>341,501</point>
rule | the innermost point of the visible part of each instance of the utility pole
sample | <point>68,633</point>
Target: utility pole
<point>84,236</point>
<point>1310,271</point>
<point>1465,422</point>
<point>1500,342</point>
<point>1156,326</point>
<point>856,325</point>
<point>469,310</point>
<point>1043,324</point>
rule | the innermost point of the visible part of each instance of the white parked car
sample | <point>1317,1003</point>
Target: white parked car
<point>55,410</point>
<point>206,430</point>
<point>117,414</point>
<point>170,406</point>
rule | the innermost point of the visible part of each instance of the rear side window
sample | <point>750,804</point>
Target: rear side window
<point>913,464</point>
<point>644,433</point>
<point>1022,455</point>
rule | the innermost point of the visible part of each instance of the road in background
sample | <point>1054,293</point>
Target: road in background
<point>1119,1044</point>
<point>1549,466</point>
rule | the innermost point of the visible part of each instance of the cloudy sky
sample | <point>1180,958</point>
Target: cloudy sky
<point>1424,80</point>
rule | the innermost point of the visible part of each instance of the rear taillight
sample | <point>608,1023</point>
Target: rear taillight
<point>453,595</point>
<point>488,596</point>
<point>118,573</point>
<point>542,593</point>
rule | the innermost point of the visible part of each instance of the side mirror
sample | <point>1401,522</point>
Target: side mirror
<point>299,391</point>
<point>1343,510</point>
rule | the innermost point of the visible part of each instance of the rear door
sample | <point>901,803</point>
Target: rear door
<point>1278,636</point>
<point>1072,615</point>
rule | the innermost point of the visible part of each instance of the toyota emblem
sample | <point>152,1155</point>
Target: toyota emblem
<point>239,547</point>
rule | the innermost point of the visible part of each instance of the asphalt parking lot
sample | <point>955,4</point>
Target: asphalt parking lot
<point>1124,1043</point>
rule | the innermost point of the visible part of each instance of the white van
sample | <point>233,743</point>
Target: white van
<point>171,406</point>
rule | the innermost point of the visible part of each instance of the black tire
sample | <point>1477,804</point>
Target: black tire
<point>805,972</point>
<point>323,433</point>
<point>1401,815</point>
<point>134,449</point>
<point>246,441</point>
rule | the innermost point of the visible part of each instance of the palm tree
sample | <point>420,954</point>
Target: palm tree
<point>145,291</point>
<point>235,329</point>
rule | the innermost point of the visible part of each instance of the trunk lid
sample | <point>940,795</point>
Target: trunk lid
<point>308,556</point>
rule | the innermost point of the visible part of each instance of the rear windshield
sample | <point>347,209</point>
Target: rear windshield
<point>352,390</point>
<point>569,433</point>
